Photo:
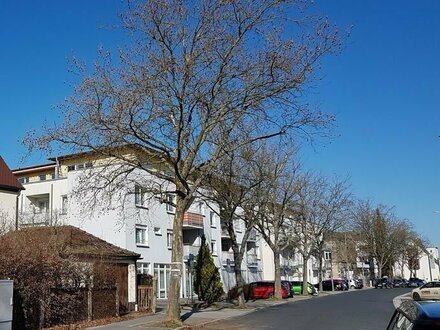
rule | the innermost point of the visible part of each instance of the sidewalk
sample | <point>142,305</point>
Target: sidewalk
<point>193,318</point>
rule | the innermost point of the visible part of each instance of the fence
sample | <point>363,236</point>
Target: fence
<point>147,297</point>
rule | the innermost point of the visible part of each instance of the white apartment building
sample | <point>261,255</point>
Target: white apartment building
<point>429,269</point>
<point>131,221</point>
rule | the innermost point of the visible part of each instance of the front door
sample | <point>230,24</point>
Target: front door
<point>162,273</point>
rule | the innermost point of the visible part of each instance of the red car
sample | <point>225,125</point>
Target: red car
<point>265,289</point>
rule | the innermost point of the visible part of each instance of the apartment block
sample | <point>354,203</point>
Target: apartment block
<point>129,218</point>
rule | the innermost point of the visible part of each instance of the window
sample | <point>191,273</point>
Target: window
<point>43,207</point>
<point>88,165</point>
<point>141,235</point>
<point>42,177</point>
<point>63,204</point>
<point>79,166</point>
<point>170,203</point>
<point>213,248</point>
<point>70,168</point>
<point>143,268</point>
<point>157,231</point>
<point>327,255</point>
<point>24,179</point>
<point>169,239</point>
<point>139,196</point>
<point>212,219</point>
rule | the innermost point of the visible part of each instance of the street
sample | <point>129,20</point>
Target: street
<point>355,310</point>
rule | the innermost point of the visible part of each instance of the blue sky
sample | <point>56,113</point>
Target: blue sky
<point>383,88</point>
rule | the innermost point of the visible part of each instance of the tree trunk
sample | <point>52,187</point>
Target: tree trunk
<point>305,276</point>
<point>276,259</point>
<point>173,308</point>
<point>238,258</point>
<point>320,271</point>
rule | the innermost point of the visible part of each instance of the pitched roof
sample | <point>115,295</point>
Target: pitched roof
<point>8,181</point>
<point>69,241</point>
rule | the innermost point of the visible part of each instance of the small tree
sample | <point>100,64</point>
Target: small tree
<point>207,283</point>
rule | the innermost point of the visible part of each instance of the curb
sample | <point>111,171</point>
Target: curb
<point>398,300</point>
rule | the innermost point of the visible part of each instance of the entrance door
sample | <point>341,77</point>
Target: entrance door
<point>162,273</point>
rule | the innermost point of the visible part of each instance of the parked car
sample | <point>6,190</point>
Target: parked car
<point>338,284</point>
<point>265,289</point>
<point>428,291</point>
<point>358,284</point>
<point>297,287</point>
<point>415,282</point>
<point>288,286</point>
<point>400,283</point>
<point>383,283</point>
<point>412,315</point>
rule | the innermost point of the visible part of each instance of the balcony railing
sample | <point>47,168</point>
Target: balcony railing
<point>192,220</point>
<point>190,249</point>
<point>252,259</point>
<point>34,219</point>
<point>252,236</point>
<point>227,255</point>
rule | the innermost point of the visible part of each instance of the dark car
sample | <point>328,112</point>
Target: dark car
<point>400,283</point>
<point>383,283</point>
<point>358,284</point>
<point>338,285</point>
<point>265,289</point>
<point>416,316</point>
<point>415,282</point>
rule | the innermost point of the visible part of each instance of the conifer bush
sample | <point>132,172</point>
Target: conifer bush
<point>207,282</point>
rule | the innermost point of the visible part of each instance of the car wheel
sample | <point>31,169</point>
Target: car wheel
<point>416,296</point>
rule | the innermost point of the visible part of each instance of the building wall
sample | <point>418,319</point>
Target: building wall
<point>8,202</point>
<point>429,269</point>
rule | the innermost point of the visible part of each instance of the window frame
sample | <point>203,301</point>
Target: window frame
<point>144,229</point>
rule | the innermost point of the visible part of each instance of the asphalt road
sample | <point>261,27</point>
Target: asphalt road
<point>368,309</point>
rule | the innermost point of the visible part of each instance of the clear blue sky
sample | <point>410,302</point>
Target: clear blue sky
<point>383,87</point>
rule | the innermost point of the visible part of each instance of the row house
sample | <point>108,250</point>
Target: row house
<point>130,219</point>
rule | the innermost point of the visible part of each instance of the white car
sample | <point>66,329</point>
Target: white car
<point>428,291</point>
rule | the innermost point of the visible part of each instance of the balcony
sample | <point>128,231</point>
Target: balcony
<point>227,255</point>
<point>252,236</point>
<point>192,220</point>
<point>252,260</point>
<point>190,249</point>
<point>34,219</point>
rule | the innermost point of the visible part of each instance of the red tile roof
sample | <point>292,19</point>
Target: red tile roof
<point>8,181</point>
<point>67,241</point>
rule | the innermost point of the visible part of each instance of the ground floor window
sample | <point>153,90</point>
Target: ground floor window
<point>143,268</point>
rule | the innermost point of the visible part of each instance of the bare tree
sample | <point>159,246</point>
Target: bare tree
<point>193,77</point>
<point>332,205</point>
<point>273,205</point>
<point>232,186</point>
<point>383,235</point>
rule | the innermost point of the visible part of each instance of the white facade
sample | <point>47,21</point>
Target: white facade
<point>131,222</point>
<point>428,266</point>
<point>291,266</point>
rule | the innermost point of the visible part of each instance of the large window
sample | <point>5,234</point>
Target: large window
<point>212,221</point>
<point>143,268</point>
<point>141,235</point>
<point>140,196</point>
<point>214,247</point>
<point>169,238</point>
<point>170,203</point>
